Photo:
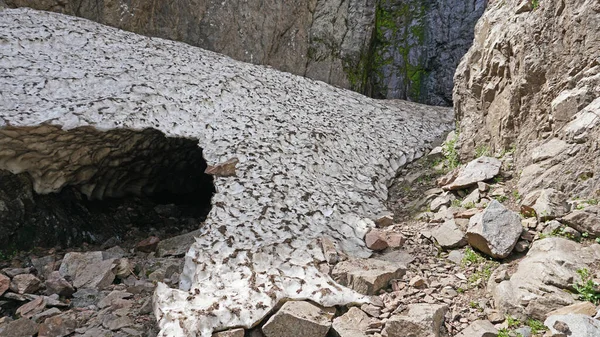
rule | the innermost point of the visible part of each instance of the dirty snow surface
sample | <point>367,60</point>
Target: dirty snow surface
<point>314,159</point>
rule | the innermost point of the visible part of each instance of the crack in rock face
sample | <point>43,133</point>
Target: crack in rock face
<point>313,160</point>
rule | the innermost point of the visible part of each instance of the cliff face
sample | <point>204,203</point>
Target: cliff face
<point>531,82</point>
<point>404,49</point>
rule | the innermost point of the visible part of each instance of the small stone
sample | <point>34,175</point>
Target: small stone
<point>114,322</point>
<point>384,221</point>
<point>12,272</point>
<point>177,245</point>
<point>418,282</point>
<point>448,235</point>
<point>112,298</point>
<point>442,200</point>
<point>224,169</point>
<point>479,328</point>
<point>329,250</point>
<point>56,284</point>
<point>529,223</point>
<point>367,276</point>
<point>480,169</point>
<point>583,308</point>
<point>22,327</point>
<point>147,245</point>
<point>455,256</point>
<point>25,284</point>
<point>551,227</point>
<point>354,323</point>
<point>45,314</point>
<point>298,318</point>
<point>86,297</point>
<point>59,326</point>
<point>420,320</point>
<point>466,214</point>
<point>571,233</point>
<point>34,307</point>
<point>482,187</point>
<point>230,333</point>
<point>371,310</point>
<point>4,284</point>
<point>495,317</point>
<point>44,265</point>
<point>521,246</point>
<point>375,240</point>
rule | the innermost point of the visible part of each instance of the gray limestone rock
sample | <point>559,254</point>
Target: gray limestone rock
<point>586,220</point>
<point>495,231</point>
<point>298,318</point>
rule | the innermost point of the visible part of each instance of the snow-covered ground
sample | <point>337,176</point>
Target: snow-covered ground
<point>314,160</point>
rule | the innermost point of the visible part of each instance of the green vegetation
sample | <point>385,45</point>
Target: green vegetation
<point>512,322</point>
<point>471,257</point>
<point>449,151</point>
<point>482,150</point>
<point>587,288</point>
<point>504,333</point>
<point>455,203</point>
<point>536,326</point>
<point>516,195</point>
<point>597,240</point>
<point>535,4</point>
<point>484,267</point>
<point>501,198</point>
<point>470,205</point>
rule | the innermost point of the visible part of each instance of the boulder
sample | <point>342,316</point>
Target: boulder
<point>448,235</point>
<point>538,285</point>
<point>299,318</point>
<point>586,220</point>
<point>580,308</point>
<point>420,320</point>
<point>442,200</point>
<point>32,308</point>
<point>480,169</point>
<point>4,284</point>
<point>547,204</point>
<point>354,323</point>
<point>367,276</point>
<point>88,270</point>
<point>495,231</point>
<point>56,284</point>
<point>479,328</point>
<point>22,327</point>
<point>573,325</point>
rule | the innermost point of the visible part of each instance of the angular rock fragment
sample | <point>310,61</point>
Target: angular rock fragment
<point>367,276</point>
<point>442,200</point>
<point>147,245</point>
<point>298,318</point>
<point>230,333</point>
<point>56,284</point>
<point>22,327</point>
<point>448,235</point>
<point>585,221</point>
<point>60,325</point>
<point>4,284</point>
<point>479,328</point>
<point>480,169</point>
<point>25,284</point>
<point>177,245</point>
<point>546,204</point>
<point>32,308</point>
<point>495,231</point>
<point>354,323</point>
<point>421,320</point>
<point>581,308</point>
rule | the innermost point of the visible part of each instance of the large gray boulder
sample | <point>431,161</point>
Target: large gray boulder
<point>477,170</point>
<point>573,325</point>
<point>586,220</point>
<point>306,168</point>
<point>538,285</point>
<point>495,231</point>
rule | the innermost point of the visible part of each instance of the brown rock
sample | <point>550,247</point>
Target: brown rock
<point>147,245</point>
<point>299,318</point>
<point>367,276</point>
<point>583,308</point>
<point>56,284</point>
<point>4,284</point>
<point>230,333</point>
<point>59,326</point>
<point>32,308</point>
<point>375,240</point>
<point>225,169</point>
<point>25,284</point>
<point>22,327</point>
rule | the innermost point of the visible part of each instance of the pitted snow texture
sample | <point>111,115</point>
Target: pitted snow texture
<point>314,160</point>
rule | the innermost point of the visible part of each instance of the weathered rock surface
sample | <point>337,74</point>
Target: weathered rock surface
<point>480,169</point>
<point>367,276</point>
<point>581,308</point>
<point>405,51</point>
<point>298,318</point>
<point>258,244</point>
<point>517,88</point>
<point>576,325</point>
<point>354,323</point>
<point>421,320</point>
<point>479,328</point>
<point>585,221</point>
<point>4,284</point>
<point>547,204</point>
<point>495,231</point>
<point>537,286</point>
<point>448,235</point>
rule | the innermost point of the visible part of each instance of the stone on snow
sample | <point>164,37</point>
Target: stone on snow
<point>495,231</point>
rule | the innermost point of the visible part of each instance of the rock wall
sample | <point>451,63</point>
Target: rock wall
<point>406,49</point>
<point>531,83</point>
<point>418,45</point>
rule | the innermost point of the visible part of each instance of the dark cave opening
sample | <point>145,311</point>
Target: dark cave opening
<point>61,188</point>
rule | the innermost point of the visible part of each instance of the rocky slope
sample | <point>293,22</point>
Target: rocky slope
<point>531,82</point>
<point>312,160</point>
<point>385,48</point>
